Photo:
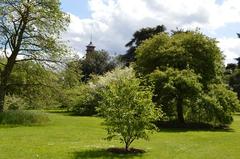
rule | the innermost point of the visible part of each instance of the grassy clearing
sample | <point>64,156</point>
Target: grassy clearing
<point>71,137</point>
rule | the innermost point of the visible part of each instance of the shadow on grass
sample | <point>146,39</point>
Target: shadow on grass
<point>237,114</point>
<point>102,153</point>
<point>174,127</point>
<point>68,113</point>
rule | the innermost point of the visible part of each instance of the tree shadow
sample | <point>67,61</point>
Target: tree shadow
<point>237,114</point>
<point>102,153</point>
<point>174,127</point>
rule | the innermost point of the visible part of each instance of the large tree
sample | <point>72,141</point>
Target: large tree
<point>96,63</point>
<point>185,51</point>
<point>182,50</point>
<point>29,30</point>
<point>174,88</point>
<point>138,37</point>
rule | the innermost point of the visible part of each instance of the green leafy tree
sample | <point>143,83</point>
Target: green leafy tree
<point>138,37</point>
<point>174,88</point>
<point>126,107</point>
<point>181,51</point>
<point>97,63</point>
<point>30,29</point>
<point>72,74</point>
<point>234,81</point>
<point>217,106</point>
<point>37,85</point>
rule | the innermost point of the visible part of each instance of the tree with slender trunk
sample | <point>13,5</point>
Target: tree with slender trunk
<point>29,30</point>
<point>126,106</point>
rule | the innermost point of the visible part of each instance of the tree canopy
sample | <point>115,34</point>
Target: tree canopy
<point>28,32</point>
<point>127,107</point>
<point>96,63</point>
<point>173,88</point>
<point>183,50</point>
<point>138,37</point>
<point>184,68</point>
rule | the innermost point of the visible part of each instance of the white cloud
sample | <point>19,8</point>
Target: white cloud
<point>113,22</point>
<point>231,48</point>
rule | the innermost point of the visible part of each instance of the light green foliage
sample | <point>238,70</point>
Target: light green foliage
<point>182,50</point>
<point>217,106</point>
<point>38,32</point>
<point>20,117</point>
<point>81,100</point>
<point>173,87</point>
<point>15,103</point>
<point>39,86</point>
<point>72,74</point>
<point>126,107</point>
<point>30,30</point>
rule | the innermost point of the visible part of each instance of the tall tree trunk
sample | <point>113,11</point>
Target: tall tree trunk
<point>180,110</point>
<point>5,75</point>
<point>2,97</point>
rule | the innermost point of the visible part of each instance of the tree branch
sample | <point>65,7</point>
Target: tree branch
<point>36,59</point>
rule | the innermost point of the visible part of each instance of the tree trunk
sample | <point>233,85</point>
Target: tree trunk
<point>5,75</point>
<point>2,97</point>
<point>180,110</point>
<point>126,147</point>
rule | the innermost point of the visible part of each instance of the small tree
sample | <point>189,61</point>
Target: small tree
<point>127,107</point>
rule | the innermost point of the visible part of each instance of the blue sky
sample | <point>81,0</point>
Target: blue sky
<point>113,22</point>
<point>77,7</point>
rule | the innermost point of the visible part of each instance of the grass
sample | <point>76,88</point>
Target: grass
<point>23,117</point>
<point>71,137</point>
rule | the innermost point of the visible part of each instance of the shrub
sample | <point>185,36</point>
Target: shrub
<point>217,106</point>
<point>13,102</point>
<point>21,117</point>
<point>126,107</point>
<point>81,100</point>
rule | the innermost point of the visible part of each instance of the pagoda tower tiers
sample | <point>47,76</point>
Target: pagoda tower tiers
<point>90,48</point>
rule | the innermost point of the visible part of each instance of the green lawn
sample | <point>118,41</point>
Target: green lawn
<point>69,137</point>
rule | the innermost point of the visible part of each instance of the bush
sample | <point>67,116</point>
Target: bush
<point>82,100</point>
<point>217,106</point>
<point>20,117</point>
<point>13,102</point>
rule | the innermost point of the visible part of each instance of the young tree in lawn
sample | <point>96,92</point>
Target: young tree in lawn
<point>29,29</point>
<point>126,107</point>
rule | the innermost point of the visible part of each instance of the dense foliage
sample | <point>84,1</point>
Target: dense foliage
<point>189,73</point>
<point>183,50</point>
<point>138,37</point>
<point>173,89</point>
<point>96,63</point>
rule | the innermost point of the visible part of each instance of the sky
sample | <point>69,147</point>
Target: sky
<point>113,22</point>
